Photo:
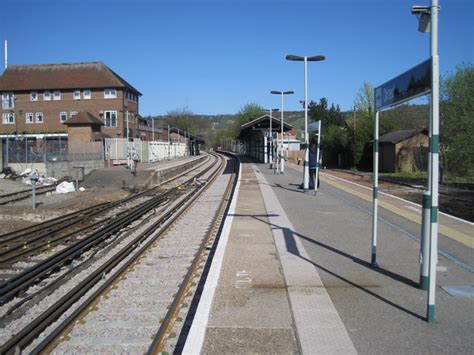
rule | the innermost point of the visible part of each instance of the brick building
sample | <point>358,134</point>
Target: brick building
<point>39,99</point>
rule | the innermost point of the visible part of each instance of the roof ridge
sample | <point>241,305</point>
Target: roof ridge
<point>55,64</point>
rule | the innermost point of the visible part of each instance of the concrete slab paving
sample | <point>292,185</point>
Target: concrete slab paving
<point>268,298</point>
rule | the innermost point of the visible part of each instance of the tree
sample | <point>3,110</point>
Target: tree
<point>457,121</point>
<point>328,116</point>
<point>334,143</point>
<point>361,128</point>
<point>364,100</point>
<point>181,118</point>
<point>249,112</point>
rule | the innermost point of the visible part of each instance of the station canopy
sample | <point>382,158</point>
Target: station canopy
<point>263,124</point>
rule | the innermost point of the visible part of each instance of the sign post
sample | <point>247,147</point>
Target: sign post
<point>434,149</point>
<point>420,80</point>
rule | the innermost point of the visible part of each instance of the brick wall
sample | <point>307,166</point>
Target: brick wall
<point>51,110</point>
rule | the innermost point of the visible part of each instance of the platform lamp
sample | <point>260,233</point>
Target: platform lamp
<point>306,59</point>
<point>271,134</point>
<point>282,93</point>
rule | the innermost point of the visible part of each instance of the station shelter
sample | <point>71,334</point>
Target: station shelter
<point>256,140</point>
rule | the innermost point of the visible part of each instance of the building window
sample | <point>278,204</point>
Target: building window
<point>63,117</point>
<point>87,94</point>
<point>29,117</point>
<point>47,95</point>
<point>57,95</point>
<point>72,113</point>
<point>110,94</point>
<point>33,96</point>
<point>8,118</point>
<point>8,100</point>
<point>77,95</point>
<point>39,117</point>
<point>110,118</point>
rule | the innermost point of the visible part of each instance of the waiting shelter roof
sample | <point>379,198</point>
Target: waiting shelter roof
<point>263,123</point>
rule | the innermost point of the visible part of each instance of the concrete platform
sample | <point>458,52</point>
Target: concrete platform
<point>146,175</point>
<point>291,274</point>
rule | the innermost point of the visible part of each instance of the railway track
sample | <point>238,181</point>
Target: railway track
<point>149,246</point>
<point>24,194</point>
<point>40,238</point>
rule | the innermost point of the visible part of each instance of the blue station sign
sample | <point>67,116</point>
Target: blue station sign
<point>413,83</point>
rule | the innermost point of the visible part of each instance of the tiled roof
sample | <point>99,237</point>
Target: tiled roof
<point>82,118</point>
<point>398,136</point>
<point>88,75</point>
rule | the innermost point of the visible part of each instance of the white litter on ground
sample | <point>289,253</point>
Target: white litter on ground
<point>65,187</point>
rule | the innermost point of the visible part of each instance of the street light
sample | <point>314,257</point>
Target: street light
<point>271,135</point>
<point>306,59</point>
<point>282,93</point>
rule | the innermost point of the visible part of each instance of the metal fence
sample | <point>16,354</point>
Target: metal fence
<point>26,150</point>
<point>118,149</point>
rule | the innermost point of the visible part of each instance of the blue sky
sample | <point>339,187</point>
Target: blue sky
<point>215,56</point>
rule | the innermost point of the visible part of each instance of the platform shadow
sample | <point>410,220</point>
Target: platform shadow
<point>295,189</point>
<point>291,246</point>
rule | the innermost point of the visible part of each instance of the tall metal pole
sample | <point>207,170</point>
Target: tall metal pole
<point>434,149</point>
<point>306,138</point>
<point>282,161</point>
<point>375,189</point>
<point>316,178</point>
<point>271,140</point>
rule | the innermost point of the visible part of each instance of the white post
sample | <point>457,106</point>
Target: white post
<point>128,138</point>
<point>271,140</point>
<point>306,138</point>
<point>282,161</point>
<point>153,129</point>
<point>375,189</point>
<point>265,151</point>
<point>316,178</point>
<point>434,149</point>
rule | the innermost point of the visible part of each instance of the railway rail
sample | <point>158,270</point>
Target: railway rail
<point>159,229</point>
<point>24,194</point>
<point>40,238</point>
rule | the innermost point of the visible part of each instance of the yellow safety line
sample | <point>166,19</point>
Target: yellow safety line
<point>447,231</point>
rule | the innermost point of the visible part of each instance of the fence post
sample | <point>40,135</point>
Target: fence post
<point>44,149</point>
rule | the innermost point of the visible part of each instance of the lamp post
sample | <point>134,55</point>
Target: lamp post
<point>306,59</point>
<point>428,22</point>
<point>271,135</point>
<point>282,93</point>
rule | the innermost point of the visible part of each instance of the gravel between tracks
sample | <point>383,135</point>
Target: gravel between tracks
<point>128,317</point>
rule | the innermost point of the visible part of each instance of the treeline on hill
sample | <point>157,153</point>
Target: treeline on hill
<point>205,126</point>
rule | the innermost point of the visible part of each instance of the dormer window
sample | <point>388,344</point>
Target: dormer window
<point>77,95</point>
<point>33,96</point>
<point>47,95</point>
<point>110,94</point>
